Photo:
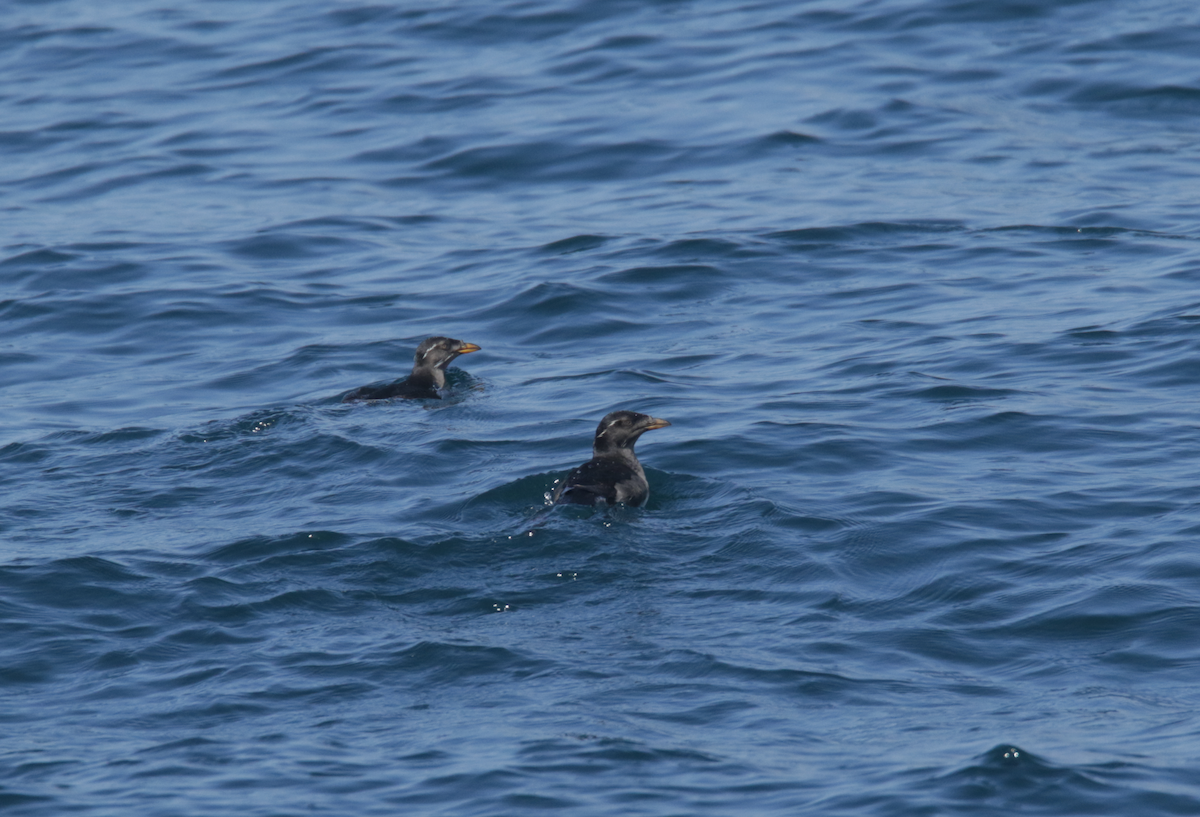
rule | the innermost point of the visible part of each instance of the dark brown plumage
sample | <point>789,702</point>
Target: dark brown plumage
<point>428,374</point>
<point>613,474</point>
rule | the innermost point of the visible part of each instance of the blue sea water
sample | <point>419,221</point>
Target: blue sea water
<point>917,283</point>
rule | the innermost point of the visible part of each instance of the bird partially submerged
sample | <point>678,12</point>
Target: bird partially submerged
<point>613,474</point>
<point>428,374</point>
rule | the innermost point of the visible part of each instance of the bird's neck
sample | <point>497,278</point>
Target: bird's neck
<point>430,376</point>
<point>606,450</point>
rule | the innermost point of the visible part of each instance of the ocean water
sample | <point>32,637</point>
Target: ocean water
<point>917,283</point>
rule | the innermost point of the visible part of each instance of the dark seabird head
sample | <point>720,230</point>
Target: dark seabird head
<point>435,354</point>
<point>620,431</point>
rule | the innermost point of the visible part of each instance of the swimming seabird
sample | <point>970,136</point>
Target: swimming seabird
<point>613,474</point>
<point>428,374</point>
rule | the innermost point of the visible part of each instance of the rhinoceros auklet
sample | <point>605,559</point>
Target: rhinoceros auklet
<point>428,374</point>
<point>613,474</point>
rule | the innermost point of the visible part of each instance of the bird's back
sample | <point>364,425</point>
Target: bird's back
<point>604,479</point>
<point>403,388</point>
